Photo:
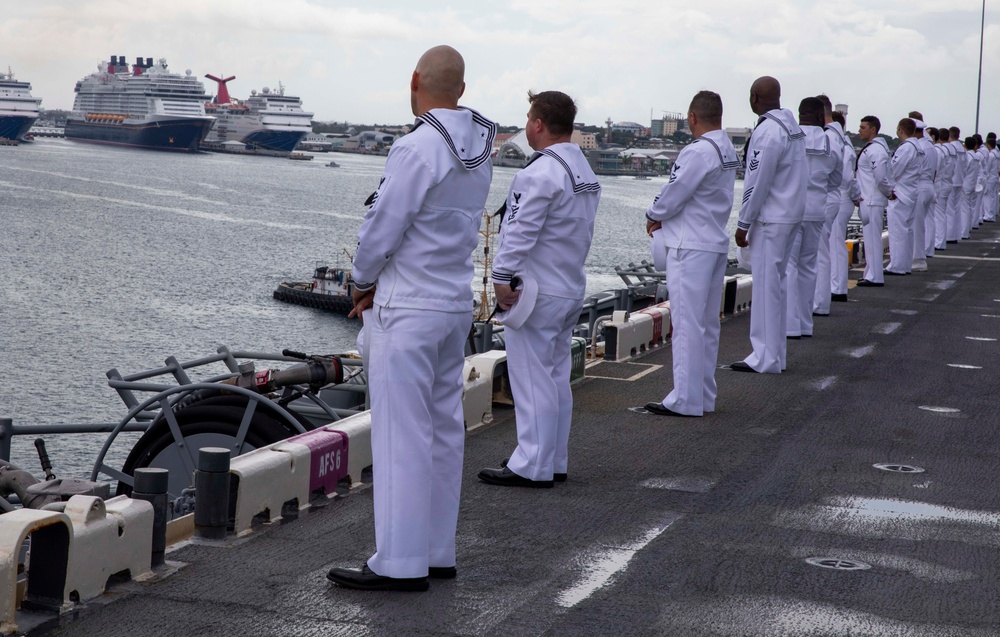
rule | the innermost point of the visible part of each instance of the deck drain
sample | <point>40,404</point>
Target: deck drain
<point>898,468</point>
<point>838,564</point>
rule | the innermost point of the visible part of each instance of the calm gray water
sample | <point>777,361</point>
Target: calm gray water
<point>119,258</point>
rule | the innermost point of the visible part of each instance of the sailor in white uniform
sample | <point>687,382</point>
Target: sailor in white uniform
<point>774,201</point>
<point>943,190</point>
<point>546,236</point>
<point>832,254</point>
<point>923,216</point>
<point>956,225</point>
<point>875,184</point>
<point>691,212</point>
<point>850,193</point>
<point>983,158</point>
<point>905,168</point>
<point>970,180</point>
<point>412,269</point>
<point>990,201</point>
<point>825,174</point>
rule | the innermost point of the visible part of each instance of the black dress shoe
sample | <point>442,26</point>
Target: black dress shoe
<point>865,283</point>
<point>442,572</point>
<point>838,298</point>
<point>891,273</point>
<point>365,579</point>
<point>660,410</point>
<point>952,241</point>
<point>504,477</point>
<point>820,314</point>
<point>807,336</point>
<point>741,366</point>
<point>794,338</point>
<point>556,477</point>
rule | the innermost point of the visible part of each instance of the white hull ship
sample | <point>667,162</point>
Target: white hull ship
<point>268,121</point>
<point>147,106</point>
<point>18,109</point>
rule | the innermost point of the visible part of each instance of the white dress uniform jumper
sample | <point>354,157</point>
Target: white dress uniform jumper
<point>872,170</point>
<point>955,225</point>
<point>970,179</point>
<point>923,212</point>
<point>416,245</point>
<point>943,191</point>
<point>774,200</point>
<point>825,174</point>
<point>905,168</point>
<point>694,208</point>
<point>551,207</point>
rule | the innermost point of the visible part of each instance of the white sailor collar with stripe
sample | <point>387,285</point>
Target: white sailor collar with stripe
<point>473,150</point>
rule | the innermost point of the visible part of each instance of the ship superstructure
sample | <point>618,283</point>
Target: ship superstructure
<point>146,105</point>
<point>268,120</point>
<point>18,109</point>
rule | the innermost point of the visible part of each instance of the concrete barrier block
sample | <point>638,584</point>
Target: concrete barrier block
<point>51,536</point>
<point>477,391</point>
<point>625,339</point>
<point>109,537</point>
<point>728,301</point>
<point>265,479</point>
<point>328,453</point>
<point>744,293</point>
<point>358,429</point>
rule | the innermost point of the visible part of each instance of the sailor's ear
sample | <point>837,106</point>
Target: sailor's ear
<point>462,92</point>
<point>414,82</point>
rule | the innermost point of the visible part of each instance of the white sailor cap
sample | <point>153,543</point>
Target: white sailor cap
<point>658,249</point>
<point>743,257</point>
<point>518,313</point>
<point>920,125</point>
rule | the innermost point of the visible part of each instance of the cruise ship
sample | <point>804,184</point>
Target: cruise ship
<point>269,120</point>
<point>18,109</point>
<point>146,106</point>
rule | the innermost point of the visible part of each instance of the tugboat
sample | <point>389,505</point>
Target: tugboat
<point>331,289</point>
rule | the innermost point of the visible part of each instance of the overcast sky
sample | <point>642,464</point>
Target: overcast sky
<point>621,59</point>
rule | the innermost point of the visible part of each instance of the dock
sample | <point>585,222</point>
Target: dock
<point>854,494</point>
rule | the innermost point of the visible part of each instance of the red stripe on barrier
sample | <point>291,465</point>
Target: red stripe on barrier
<point>328,455</point>
<point>657,322</point>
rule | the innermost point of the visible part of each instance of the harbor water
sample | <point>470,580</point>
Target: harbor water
<point>118,258</point>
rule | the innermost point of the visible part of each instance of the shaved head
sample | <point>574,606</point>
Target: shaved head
<point>765,95</point>
<point>438,80</point>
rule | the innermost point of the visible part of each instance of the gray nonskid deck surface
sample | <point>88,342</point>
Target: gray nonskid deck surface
<point>688,526</point>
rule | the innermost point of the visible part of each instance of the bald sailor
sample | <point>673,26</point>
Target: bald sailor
<point>904,167</point>
<point>956,226</point>
<point>546,237</point>
<point>692,212</point>
<point>875,184</point>
<point>923,210</point>
<point>943,190</point>
<point>849,194</point>
<point>825,174</point>
<point>412,268</point>
<point>831,254</point>
<point>774,201</point>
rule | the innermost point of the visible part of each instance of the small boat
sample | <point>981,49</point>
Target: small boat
<point>333,164</point>
<point>300,156</point>
<point>331,289</point>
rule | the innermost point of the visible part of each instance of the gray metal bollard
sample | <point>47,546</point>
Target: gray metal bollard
<point>211,486</point>
<point>151,486</point>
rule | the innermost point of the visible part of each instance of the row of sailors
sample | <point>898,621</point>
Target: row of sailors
<point>803,182</point>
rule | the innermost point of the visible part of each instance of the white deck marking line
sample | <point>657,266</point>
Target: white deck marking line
<point>940,285</point>
<point>961,366</point>
<point>602,566</point>
<point>940,410</point>
<point>886,328</point>
<point>905,312</point>
<point>929,297</point>
<point>860,352</point>
<point>990,315</point>
<point>981,338</point>
<point>824,383</point>
<point>955,256</point>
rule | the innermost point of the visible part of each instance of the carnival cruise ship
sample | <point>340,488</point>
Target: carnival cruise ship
<point>18,109</point>
<point>268,120</point>
<point>146,106</point>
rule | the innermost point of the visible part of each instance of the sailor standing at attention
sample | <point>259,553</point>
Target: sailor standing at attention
<point>825,170</point>
<point>905,168</point>
<point>990,201</point>
<point>942,188</point>
<point>692,211</point>
<point>412,268</point>
<point>774,200</point>
<point>849,193</point>
<point>983,159</point>
<point>872,170</point>
<point>970,179</point>
<point>923,215</point>
<point>830,254</point>
<point>956,229</point>
<point>545,240</point>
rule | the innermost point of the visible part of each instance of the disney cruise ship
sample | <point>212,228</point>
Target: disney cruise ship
<point>268,120</point>
<point>145,106</point>
<point>18,109</point>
